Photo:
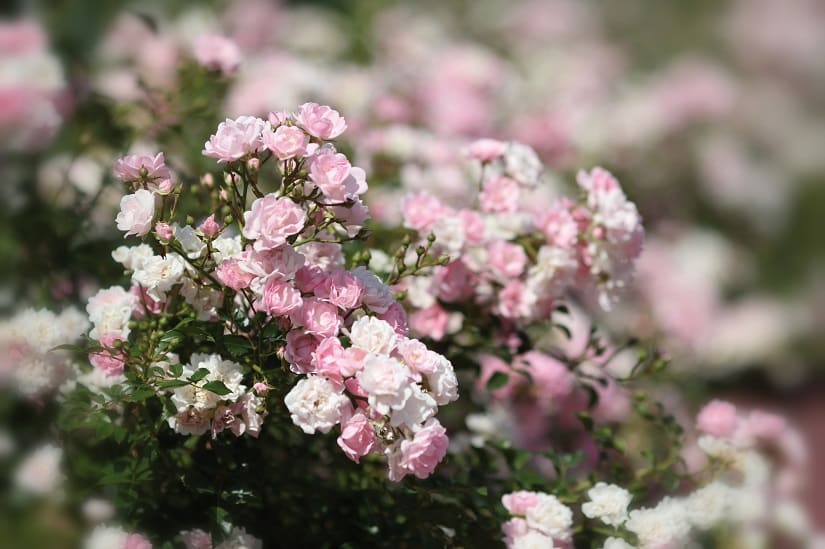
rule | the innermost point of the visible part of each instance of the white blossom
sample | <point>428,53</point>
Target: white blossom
<point>315,404</point>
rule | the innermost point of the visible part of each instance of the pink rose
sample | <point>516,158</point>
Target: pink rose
<point>499,195</point>
<point>137,541</point>
<point>328,359</point>
<point>512,529</point>
<point>352,363</point>
<point>286,141</point>
<point>217,53</point>
<point>260,388</point>
<point>298,352</point>
<point>486,150</point>
<point>235,139</point>
<point>550,375</point>
<point>108,360</point>
<point>309,277</point>
<point>430,322</point>
<point>341,288</point>
<point>519,502</point>
<point>420,455</point>
<point>454,281</point>
<point>280,298</point>
<point>196,539</point>
<point>145,302</point>
<point>357,437</point>
<point>141,168</point>
<point>282,262</point>
<point>506,260</point>
<point>473,225</point>
<point>421,211</point>
<point>272,220</point>
<point>417,357</point>
<point>336,177</point>
<point>164,232</point>
<point>137,212</point>
<point>317,317</point>
<point>396,316</point>
<point>558,224</point>
<point>718,418</point>
<point>320,121</point>
<point>210,228</point>
<point>230,273</point>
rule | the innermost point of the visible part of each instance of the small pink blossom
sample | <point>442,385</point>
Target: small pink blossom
<point>137,541</point>
<point>320,121</point>
<point>286,141</point>
<point>486,150</point>
<point>328,359</point>
<point>108,360</point>
<point>500,194</point>
<point>235,139</point>
<point>506,260</point>
<point>341,288</point>
<point>318,317</point>
<point>271,220</point>
<point>430,322</point>
<point>357,437</point>
<point>151,170</point>
<point>210,227</point>
<point>421,211</point>
<point>425,451</point>
<point>396,316</point>
<point>230,273</point>
<point>260,388</point>
<point>309,277</point>
<point>298,351</point>
<point>280,298</point>
<point>217,53</point>
<point>282,262</point>
<point>164,232</point>
<point>717,418</point>
<point>519,502</point>
<point>558,224</point>
<point>137,211</point>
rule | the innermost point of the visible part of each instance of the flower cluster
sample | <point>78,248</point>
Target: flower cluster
<point>515,259</point>
<point>29,362</point>
<point>284,275</point>
<point>748,460</point>
<point>384,390</point>
<point>213,399</point>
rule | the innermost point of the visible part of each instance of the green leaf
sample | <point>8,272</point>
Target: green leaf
<point>176,369</point>
<point>236,346</point>
<point>217,387</point>
<point>497,381</point>
<point>199,375</point>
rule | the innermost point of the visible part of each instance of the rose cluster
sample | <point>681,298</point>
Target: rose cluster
<point>515,260</point>
<point>384,390</point>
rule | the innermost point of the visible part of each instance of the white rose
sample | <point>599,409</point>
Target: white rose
<point>136,213</point>
<point>316,405</point>
<point>158,274</point>
<point>608,502</point>
<point>417,409</point>
<point>39,473</point>
<point>443,383</point>
<point>374,335</point>
<point>551,517</point>
<point>192,245</point>
<point>533,540</point>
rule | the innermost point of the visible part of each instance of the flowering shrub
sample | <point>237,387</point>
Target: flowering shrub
<point>455,342</point>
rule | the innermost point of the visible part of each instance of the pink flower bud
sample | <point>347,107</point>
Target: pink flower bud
<point>164,231</point>
<point>260,388</point>
<point>210,227</point>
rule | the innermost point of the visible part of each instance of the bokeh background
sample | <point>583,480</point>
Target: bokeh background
<point>711,113</point>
